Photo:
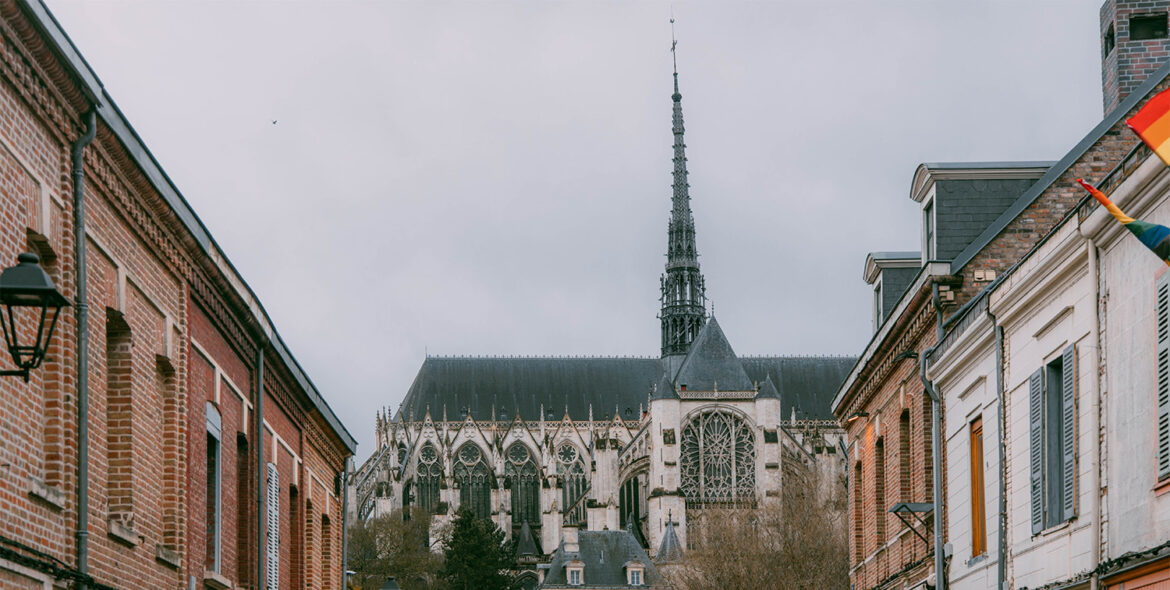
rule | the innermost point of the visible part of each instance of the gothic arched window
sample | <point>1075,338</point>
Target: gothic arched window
<point>474,480</point>
<point>573,483</point>
<point>718,459</point>
<point>524,478</point>
<point>428,475</point>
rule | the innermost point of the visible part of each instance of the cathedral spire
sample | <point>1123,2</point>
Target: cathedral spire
<point>683,293</point>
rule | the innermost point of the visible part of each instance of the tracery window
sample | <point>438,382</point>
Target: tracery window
<point>427,477</point>
<point>524,478</point>
<point>474,480</point>
<point>718,459</point>
<point>573,483</point>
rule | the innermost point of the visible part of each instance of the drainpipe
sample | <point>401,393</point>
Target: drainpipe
<point>261,472</point>
<point>940,579</point>
<point>345,522</point>
<point>1001,416</point>
<point>82,310</point>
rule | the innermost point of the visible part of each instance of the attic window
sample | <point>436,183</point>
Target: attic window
<point>1110,40</point>
<point>683,386</point>
<point>634,576</point>
<point>574,576</point>
<point>1147,26</point>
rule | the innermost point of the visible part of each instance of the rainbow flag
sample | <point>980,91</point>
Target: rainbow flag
<point>1152,124</point>
<point>1155,237</point>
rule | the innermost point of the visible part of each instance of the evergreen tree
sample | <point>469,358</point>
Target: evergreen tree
<point>477,554</point>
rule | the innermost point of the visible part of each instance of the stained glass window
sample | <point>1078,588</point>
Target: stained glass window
<point>428,475</point>
<point>524,478</point>
<point>474,480</point>
<point>718,459</point>
<point>573,483</point>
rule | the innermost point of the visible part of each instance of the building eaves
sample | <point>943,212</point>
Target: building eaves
<point>117,122</point>
<point>927,173</point>
<point>1058,169</point>
<point>929,271</point>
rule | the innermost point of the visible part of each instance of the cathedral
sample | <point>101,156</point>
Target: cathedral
<point>640,444</point>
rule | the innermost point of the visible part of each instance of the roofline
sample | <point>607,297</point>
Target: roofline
<point>876,261</point>
<point>162,183</point>
<point>1058,169</point>
<point>929,270</point>
<point>927,173</point>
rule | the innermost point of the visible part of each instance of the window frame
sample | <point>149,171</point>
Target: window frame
<point>1052,440</point>
<point>214,427</point>
<point>978,489</point>
<point>929,230</point>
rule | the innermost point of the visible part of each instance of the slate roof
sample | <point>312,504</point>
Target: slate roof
<point>670,549</point>
<point>527,545</point>
<point>711,364</point>
<point>523,384</point>
<point>604,554</point>
<point>805,383</point>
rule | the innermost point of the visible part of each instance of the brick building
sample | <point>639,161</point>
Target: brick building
<point>178,367</point>
<point>988,448</point>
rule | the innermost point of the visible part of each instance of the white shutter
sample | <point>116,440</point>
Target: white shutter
<point>272,549</point>
<point>1036,441</point>
<point>1068,444</point>
<point>1162,312</point>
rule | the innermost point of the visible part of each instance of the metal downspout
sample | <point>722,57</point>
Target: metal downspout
<point>261,472</point>
<point>940,579</point>
<point>82,310</point>
<point>1001,416</point>
<point>345,521</point>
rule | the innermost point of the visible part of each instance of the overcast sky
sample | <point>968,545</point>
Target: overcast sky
<point>474,178</point>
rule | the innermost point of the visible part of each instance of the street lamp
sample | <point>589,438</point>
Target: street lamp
<point>27,285</point>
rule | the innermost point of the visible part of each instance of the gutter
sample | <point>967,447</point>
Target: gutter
<point>82,311</point>
<point>261,472</point>
<point>1095,413</point>
<point>940,578</point>
<point>1001,416</point>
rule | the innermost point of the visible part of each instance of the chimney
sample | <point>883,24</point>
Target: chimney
<point>569,538</point>
<point>1134,44</point>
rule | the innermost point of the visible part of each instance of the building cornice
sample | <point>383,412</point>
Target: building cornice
<point>928,173</point>
<point>875,262</point>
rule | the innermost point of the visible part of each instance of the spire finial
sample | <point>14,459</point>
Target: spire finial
<point>674,54</point>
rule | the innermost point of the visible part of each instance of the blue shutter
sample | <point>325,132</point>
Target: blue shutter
<point>273,547</point>
<point>1036,442</point>
<point>1068,443</point>
<point>1162,311</point>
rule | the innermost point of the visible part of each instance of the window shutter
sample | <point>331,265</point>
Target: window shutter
<point>273,547</point>
<point>1162,310</point>
<point>1036,440</point>
<point>1068,444</point>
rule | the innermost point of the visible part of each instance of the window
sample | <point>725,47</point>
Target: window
<point>858,516</point>
<point>1052,440</point>
<point>428,475</point>
<point>928,230</point>
<point>1162,310</point>
<point>1109,41</point>
<point>214,432</point>
<point>474,480</point>
<point>524,479</point>
<point>119,418</point>
<point>571,469</point>
<point>1147,26</point>
<point>718,459</point>
<point>978,514</point>
<point>575,577</point>
<point>635,576</point>
<point>877,305</point>
<point>904,456</point>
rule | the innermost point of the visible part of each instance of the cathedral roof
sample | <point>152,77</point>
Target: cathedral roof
<point>526,545</point>
<point>768,390</point>
<point>524,385</point>
<point>670,549</point>
<point>665,389</point>
<point>711,364</point>
<point>806,383</point>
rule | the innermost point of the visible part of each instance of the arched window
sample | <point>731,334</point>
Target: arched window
<point>520,469</point>
<point>427,478</point>
<point>474,480</point>
<point>573,483</point>
<point>718,459</point>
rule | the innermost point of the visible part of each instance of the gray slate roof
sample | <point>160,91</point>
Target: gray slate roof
<point>526,544</point>
<point>711,363</point>
<point>964,208</point>
<point>523,384</point>
<point>670,549</point>
<point>604,554</point>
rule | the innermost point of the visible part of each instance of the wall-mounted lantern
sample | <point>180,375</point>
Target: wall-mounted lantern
<point>26,291</point>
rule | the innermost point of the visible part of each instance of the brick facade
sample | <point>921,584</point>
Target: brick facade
<point>171,329</point>
<point>1130,61</point>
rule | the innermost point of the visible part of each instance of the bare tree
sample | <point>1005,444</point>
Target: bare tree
<point>801,544</point>
<point>392,546</point>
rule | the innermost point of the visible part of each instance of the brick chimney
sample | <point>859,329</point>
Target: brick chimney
<point>1134,43</point>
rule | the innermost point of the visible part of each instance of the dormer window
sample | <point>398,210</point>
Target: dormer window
<point>575,576</point>
<point>877,304</point>
<point>635,576</point>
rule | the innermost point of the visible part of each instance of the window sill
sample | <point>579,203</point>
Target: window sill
<point>50,494</point>
<point>1054,529</point>
<point>216,581</point>
<point>977,559</point>
<point>123,533</point>
<point>167,556</point>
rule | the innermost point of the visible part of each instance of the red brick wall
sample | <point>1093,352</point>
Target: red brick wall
<point>1131,62</point>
